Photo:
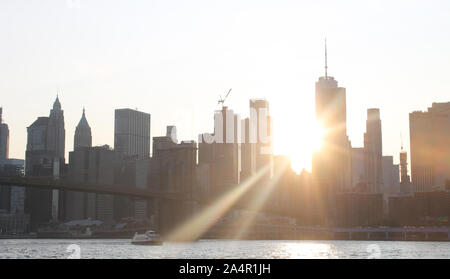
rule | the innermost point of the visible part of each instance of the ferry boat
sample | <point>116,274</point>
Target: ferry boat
<point>149,238</point>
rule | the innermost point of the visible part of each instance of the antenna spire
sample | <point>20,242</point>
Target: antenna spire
<point>401,141</point>
<point>326,60</point>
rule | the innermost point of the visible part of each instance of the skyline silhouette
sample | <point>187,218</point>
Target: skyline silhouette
<point>152,61</point>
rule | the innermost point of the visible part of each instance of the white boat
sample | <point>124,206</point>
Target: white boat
<point>149,238</point>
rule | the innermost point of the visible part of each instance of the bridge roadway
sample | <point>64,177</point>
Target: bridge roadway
<point>268,231</point>
<point>275,228</point>
<point>62,184</point>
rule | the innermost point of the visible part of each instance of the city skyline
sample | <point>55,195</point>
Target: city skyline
<point>225,130</point>
<point>274,64</point>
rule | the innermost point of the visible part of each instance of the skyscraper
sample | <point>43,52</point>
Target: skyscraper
<point>83,136</point>
<point>95,165</point>
<point>359,174</point>
<point>75,202</point>
<point>260,128</point>
<point>221,150</point>
<point>429,133</point>
<point>4,138</point>
<point>391,177</point>
<point>405,181</point>
<point>132,133</point>
<point>373,151</point>
<point>248,150</point>
<point>56,134</point>
<point>45,157</point>
<point>332,164</point>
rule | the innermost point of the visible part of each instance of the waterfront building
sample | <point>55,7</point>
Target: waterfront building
<point>358,209</point>
<point>45,157</point>
<point>17,223</point>
<point>12,198</point>
<point>91,165</point>
<point>430,149</point>
<point>74,208</point>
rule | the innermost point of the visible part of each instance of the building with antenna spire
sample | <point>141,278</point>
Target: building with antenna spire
<point>45,156</point>
<point>332,165</point>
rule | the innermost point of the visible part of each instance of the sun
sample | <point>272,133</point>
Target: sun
<point>301,142</point>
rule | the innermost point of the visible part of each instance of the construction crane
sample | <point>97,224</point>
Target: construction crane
<point>222,101</point>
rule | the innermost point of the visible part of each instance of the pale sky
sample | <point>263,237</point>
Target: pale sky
<point>173,59</point>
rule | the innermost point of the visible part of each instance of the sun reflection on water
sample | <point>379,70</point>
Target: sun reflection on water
<point>309,250</point>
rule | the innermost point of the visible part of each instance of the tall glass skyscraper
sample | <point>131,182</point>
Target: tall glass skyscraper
<point>132,133</point>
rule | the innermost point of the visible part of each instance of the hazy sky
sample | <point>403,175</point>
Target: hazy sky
<point>173,59</point>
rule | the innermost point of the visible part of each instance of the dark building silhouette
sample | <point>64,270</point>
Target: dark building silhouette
<point>221,151</point>
<point>332,165</point>
<point>391,177</point>
<point>45,157</point>
<point>260,126</point>
<point>4,138</point>
<point>248,149</point>
<point>359,209</point>
<point>420,209</point>
<point>83,136</point>
<point>430,149</point>
<point>93,165</point>
<point>132,133</point>
<point>173,164</point>
<point>11,197</point>
<point>136,173</point>
<point>373,151</point>
<point>405,181</point>
<point>75,203</point>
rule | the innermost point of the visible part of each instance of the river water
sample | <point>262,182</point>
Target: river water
<point>221,249</point>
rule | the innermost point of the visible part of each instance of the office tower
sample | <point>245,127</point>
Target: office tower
<point>405,181</point>
<point>248,150</point>
<point>4,138</point>
<point>132,133</point>
<point>173,164</point>
<point>404,166</point>
<point>74,202</point>
<point>429,133</point>
<point>391,177</point>
<point>332,164</point>
<point>359,176</point>
<point>132,173</point>
<point>83,136</point>
<point>174,170</point>
<point>171,132</point>
<point>45,157</point>
<point>91,165</point>
<point>373,148</point>
<point>221,150</point>
<point>12,197</point>
<point>260,128</point>
<point>56,133</point>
